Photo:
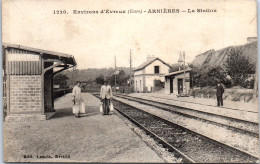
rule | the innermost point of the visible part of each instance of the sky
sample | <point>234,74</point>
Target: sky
<point>95,39</point>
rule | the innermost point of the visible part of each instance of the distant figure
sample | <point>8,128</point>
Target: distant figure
<point>220,91</point>
<point>106,96</point>
<point>78,103</point>
<point>193,92</point>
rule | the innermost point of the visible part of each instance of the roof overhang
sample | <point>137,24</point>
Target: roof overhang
<point>176,73</point>
<point>66,59</point>
<point>142,67</point>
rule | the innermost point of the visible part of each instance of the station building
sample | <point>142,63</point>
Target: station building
<point>175,83</point>
<point>28,80</point>
<point>145,74</point>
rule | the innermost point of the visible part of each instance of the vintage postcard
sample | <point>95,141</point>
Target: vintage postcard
<point>141,81</point>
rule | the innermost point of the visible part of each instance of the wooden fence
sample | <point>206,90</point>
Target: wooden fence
<point>120,89</point>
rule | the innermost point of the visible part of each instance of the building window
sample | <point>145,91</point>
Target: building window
<point>156,69</point>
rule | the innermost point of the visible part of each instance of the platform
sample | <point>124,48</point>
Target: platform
<point>92,138</point>
<point>239,110</point>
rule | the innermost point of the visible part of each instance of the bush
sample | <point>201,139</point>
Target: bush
<point>60,92</point>
<point>126,89</point>
<point>207,92</point>
<point>158,85</point>
<point>236,93</point>
<point>249,83</point>
<point>239,66</point>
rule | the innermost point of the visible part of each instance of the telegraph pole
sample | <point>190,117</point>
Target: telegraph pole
<point>180,61</point>
<point>184,72</point>
<point>255,95</point>
<point>130,82</point>
<point>115,71</point>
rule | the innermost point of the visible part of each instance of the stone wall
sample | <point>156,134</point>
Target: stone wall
<point>26,94</point>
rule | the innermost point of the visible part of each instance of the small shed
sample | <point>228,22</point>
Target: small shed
<point>29,76</point>
<point>175,83</point>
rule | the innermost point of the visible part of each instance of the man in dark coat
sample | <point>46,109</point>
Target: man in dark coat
<point>220,91</point>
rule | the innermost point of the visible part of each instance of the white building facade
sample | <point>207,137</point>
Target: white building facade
<point>151,70</point>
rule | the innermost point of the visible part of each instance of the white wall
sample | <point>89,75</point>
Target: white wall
<point>150,68</point>
<point>139,72</point>
<point>147,76</point>
<point>138,87</point>
<point>151,76</point>
<point>137,77</point>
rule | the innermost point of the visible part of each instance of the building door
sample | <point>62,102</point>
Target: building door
<point>171,85</point>
<point>180,86</point>
<point>136,86</point>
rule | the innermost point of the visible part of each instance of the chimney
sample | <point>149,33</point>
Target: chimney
<point>251,39</point>
<point>148,57</point>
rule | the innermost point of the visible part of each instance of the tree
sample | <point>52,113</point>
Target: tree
<point>238,66</point>
<point>176,67</point>
<point>158,83</point>
<point>194,75</point>
<point>217,73</point>
<point>60,80</point>
<point>100,79</point>
<point>121,78</point>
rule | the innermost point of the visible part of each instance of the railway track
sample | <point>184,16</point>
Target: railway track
<point>186,144</point>
<point>241,126</point>
<point>200,104</point>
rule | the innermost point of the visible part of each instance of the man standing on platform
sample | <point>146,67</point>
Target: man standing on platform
<point>106,96</point>
<point>220,91</point>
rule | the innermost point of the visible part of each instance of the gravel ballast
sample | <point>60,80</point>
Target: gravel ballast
<point>238,140</point>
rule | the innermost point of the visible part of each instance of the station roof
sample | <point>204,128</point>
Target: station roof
<point>148,62</point>
<point>66,58</point>
<point>177,72</point>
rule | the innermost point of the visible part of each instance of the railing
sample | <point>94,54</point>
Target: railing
<point>4,97</point>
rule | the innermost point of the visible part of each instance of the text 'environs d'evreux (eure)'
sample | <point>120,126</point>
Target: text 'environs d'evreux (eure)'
<point>135,11</point>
